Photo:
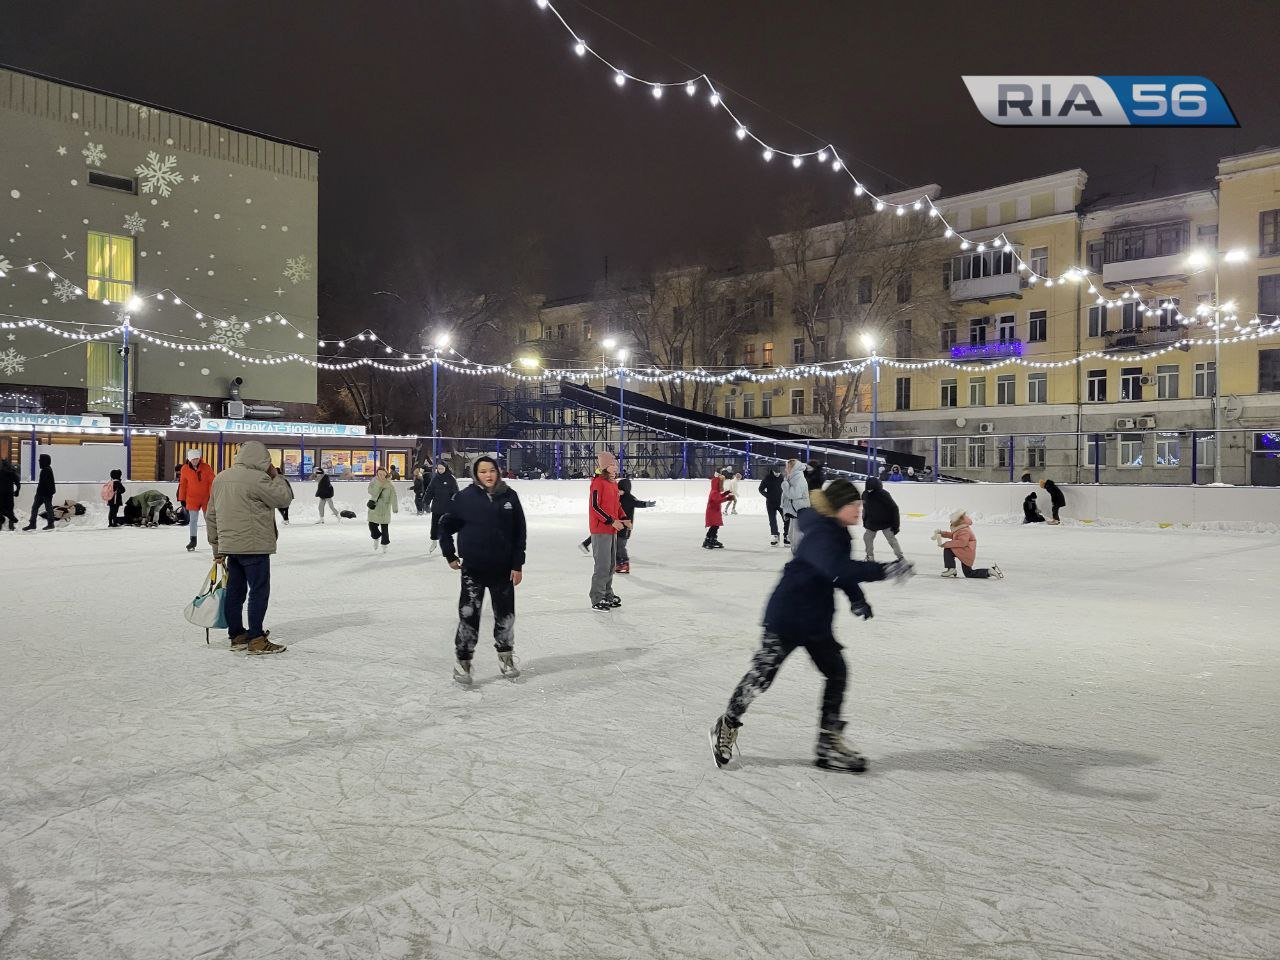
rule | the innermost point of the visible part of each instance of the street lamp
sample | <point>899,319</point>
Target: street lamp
<point>442,341</point>
<point>1200,259</point>
<point>869,342</point>
<point>622,407</point>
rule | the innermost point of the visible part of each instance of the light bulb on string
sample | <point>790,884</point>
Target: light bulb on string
<point>580,48</point>
<point>657,91</point>
<point>619,78</point>
<point>691,88</point>
<point>714,99</point>
<point>768,154</point>
<point>796,161</point>
<point>822,156</point>
<point>858,190</point>
<point>879,205</point>
<point>836,165</point>
<point>742,133</point>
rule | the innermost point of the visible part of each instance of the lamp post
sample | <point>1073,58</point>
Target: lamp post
<point>622,407</point>
<point>1201,258</point>
<point>869,342</point>
<point>442,341</point>
<point>124,406</point>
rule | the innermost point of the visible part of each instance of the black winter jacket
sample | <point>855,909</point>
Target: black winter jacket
<point>1031,510</point>
<point>771,489</point>
<point>803,603</point>
<point>10,484</point>
<point>324,488</point>
<point>879,511</point>
<point>45,487</point>
<point>491,530</point>
<point>440,492</point>
<point>1056,496</point>
<point>628,502</point>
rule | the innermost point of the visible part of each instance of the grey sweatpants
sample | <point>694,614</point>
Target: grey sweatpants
<point>604,550</point>
<point>869,539</point>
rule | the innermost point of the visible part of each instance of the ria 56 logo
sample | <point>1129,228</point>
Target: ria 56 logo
<point>1100,101</point>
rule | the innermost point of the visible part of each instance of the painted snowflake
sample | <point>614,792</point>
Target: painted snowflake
<point>5,265</point>
<point>159,177</point>
<point>297,269</point>
<point>135,223</point>
<point>231,335</point>
<point>142,112</point>
<point>94,154</point>
<point>64,291</point>
<point>11,361</point>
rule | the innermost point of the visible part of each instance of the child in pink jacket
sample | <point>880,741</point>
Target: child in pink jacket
<point>959,543</point>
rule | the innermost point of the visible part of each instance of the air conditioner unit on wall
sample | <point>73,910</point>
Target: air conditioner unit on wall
<point>986,427</point>
<point>1146,423</point>
<point>1125,423</point>
<point>1148,380</point>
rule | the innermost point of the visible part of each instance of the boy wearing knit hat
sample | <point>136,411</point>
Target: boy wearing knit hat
<point>799,614</point>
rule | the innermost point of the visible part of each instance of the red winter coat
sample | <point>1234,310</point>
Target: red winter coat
<point>717,497</point>
<point>963,543</point>
<point>603,506</point>
<point>194,485</point>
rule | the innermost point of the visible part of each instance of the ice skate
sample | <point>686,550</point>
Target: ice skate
<point>384,547</point>
<point>833,753</point>
<point>723,736</point>
<point>786,541</point>
<point>773,540</point>
<point>507,665</point>
<point>997,572</point>
<point>261,646</point>
<point>708,545</point>
<point>191,545</point>
<point>585,548</point>
<point>435,545</point>
<point>462,672</point>
<point>613,600</point>
<point>949,574</point>
<point>602,605</point>
<point>717,545</point>
<point>376,545</point>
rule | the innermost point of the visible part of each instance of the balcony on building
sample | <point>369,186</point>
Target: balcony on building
<point>989,275</point>
<point>995,350</point>
<point>1142,338</point>
<point>1146,253</point>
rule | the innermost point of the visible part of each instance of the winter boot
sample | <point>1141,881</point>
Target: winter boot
<point>191,545</point>
<point>724,735</point>
<point>507,664</point>
<point>950,574</point>
<point>260,646</point>
<point>833,753</point>
<point>462,672</point>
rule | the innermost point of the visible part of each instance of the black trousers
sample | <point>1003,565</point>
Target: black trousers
<point>435,525</point>
<point>113,511</point>
<point>773,509</point>
<point>1056,508</point>
<point>471,604</point>
<point>949,561</point>
<point>826,656</point>
<point>382,530</point>
<point>47,502</point>
<point>713,533</point>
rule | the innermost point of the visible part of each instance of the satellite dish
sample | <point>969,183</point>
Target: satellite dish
<point>1232,407</point>
<point>961,421</point>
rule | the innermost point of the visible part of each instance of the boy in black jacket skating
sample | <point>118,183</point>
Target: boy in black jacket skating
<point>880,515</point>
<point>771,490</point>
<point>45,489</point>
<point>490,521</point>
<point>629,506</point>
<point>799,614</point>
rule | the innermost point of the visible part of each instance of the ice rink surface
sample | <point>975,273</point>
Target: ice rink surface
<point>1079,761</point>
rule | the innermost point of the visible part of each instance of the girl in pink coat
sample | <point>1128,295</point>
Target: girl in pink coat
<point>714,518</point>
<point>959,543</point>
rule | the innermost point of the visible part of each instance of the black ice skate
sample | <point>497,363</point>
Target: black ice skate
<point>833,753</point>
<point>723,736</point>
<point>602,605</point>
<point>613,600</point>
<point>507,665</point>
<point>191,545</point>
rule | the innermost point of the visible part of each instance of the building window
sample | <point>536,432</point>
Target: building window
<point>948,336</point>
<point>977,451</point>
<point>797,403</point>
<point>978,330</point>
<point>947,452</point>
<point>105,180</point>
<point>1168,313</point>
<point>586,329</point>
<point>977,391</point>
<point>1168,450</point>
<point>1167,381</point>
<point>731,408</point>
<point>1130,383</point>
<point>1039,260</point>
<point>749,355</point>
<point>748,406</point>
<point>948,398</point>
<point>766,306</point>
<point>1035,455</point>
<point>1037,388</point>
<point>1038,326</point>
<point>104,377</point>
<point>1269,294</point>
<point>864,289</point>
<point>1094,254</point>
<point>1268,233</point>
<point>1130,449</point>
<point>1131,316</point>
<point>1268,371</point>
<point>562,331</point>
<point>1095,453</point>
<point>1002,456</point>
<point>904,288</point>
<point>110,268</point>
<point>1006,390</point>
<point>1146,241</point>
<point>1097,321</point>
<point>1007,328</point>
<point>902,338</point>
<point>1206,378</point>
<point>1205,448</point>
<point>766,405</point>
<point>820,300</point>
<point>768,355</point>
<point>973,266</point>
<point>819,348</point>
<point>1097,386</point>
<point>902,393</point>
<point>797,350</point>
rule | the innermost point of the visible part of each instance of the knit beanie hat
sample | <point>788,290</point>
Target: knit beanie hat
<point>193,453</point>
<point>841,493</point>
<point>956,516</point>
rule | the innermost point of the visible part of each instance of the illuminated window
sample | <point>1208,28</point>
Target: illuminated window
<point>104,377</point>
<point>110,267</point>
<point>768,355</point>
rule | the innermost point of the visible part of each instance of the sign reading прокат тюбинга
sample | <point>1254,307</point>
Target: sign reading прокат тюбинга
<point>279,426</point>
<point>1110,101</point>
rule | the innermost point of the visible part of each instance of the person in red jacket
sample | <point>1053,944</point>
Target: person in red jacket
<point>959,543</point>
<point>714,518</point>
<point>604,514</point>
<point>195,481</point>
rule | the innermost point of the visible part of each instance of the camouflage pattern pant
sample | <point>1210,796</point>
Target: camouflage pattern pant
<point>471,602</point>
<point>826,656</point>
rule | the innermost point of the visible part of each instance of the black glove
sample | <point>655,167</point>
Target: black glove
<point>861,609</point>
<point>182,504</point>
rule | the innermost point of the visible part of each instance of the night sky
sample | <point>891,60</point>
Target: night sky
<point>449,127</point>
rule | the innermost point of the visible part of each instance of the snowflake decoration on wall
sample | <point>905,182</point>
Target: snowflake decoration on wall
<point>5,265</point>
<point>156,176</point>
<point>142,112</point>
<point>297,269</point>
<point>231,335</point>
<point>11,361</point>
<point>94,154</point>
<point>135,223</point>
<point>64,291</point>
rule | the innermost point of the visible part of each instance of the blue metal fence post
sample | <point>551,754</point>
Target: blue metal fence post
<point>937,463</point>
<point>34,444</point>
<point>1097,458</point>
<point>221,454</point>
<point>746,462</point>
<point>559,459</point>
<point>1011,451</point>
<point>375,453</point>
<point>622,415</point>
<point>302,457</point>
<point>684,459</point>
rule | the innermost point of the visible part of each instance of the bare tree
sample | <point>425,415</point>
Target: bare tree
<point>866,274</point>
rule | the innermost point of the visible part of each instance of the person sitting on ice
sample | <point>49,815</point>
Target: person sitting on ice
<point>1031,510</point>
<point>959,543</point>
<point>800,613</point>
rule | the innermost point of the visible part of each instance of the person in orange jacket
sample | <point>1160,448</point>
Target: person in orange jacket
<point>195,482</point>
<point>714,518</point>
<point>959,543</point>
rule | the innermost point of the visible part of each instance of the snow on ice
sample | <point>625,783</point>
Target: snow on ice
<point>1076,762</point>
